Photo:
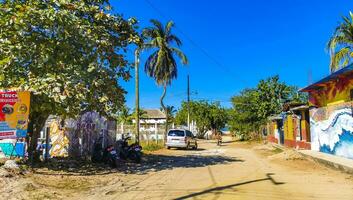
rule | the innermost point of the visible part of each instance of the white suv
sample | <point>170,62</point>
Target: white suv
<point>181,138</point>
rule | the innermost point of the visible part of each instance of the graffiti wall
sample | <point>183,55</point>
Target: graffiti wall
<point>59,141</point>
<point>332,130</point>
<point>331,121</point>
<point>77,137</point>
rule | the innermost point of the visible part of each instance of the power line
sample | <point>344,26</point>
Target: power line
<point>226,69</point>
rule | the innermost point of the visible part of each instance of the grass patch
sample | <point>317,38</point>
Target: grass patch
<point>277,150</point>
<point>152,145</point>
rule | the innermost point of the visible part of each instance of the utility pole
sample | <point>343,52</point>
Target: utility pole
<point>188,102</point>
<point>137,95</point>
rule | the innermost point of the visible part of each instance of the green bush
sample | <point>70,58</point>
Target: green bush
<point>152,145</point>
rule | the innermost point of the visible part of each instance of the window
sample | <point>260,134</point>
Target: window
<point>176,133</point>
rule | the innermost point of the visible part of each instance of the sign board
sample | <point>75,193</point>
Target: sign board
<point>14,112</point>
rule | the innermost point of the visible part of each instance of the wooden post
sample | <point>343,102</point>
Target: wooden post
<point>47,135</point>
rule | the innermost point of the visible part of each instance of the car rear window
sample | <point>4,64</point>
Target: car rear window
<point>177,133</point>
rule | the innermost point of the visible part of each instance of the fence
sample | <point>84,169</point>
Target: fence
<point>148,133</point>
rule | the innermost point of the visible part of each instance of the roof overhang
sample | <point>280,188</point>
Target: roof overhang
<point>332,77</point>
<point>298,108</point>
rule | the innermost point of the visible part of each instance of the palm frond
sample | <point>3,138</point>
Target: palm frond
<point>181,55</point>
<point>159,27</point>
<point>168,27</point>
<point>341,43</point>
<point>341,58</point>
<point>173,38</point>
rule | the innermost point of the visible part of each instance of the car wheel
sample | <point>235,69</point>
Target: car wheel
<point>168,147</point>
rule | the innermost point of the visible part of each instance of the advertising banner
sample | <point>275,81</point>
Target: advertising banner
<point>14,113</point>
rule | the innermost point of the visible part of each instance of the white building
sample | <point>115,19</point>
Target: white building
<point>151,119</point>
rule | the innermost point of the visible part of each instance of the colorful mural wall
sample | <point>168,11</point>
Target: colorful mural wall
<point>332,129</point>
<point>77,137</point>
<point>331,121</point>
<point>295,133</point>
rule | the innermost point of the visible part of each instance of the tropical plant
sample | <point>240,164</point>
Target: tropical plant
<point>67,53</point>
<point>207,116</point>
<point>171,113</point>
<point>340,45</point>
<point>253,106</point>
<point>124,115</point>
<point>161,64</point>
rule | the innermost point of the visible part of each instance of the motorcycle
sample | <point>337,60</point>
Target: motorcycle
<point>108,155</point>
<point>129,152</point>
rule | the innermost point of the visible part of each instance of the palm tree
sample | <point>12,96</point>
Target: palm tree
<point>340,45</point>
<point>161,64</point>
<point>171,113</point>
<point>124,116</point>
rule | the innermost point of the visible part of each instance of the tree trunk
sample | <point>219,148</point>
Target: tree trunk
<point>38,122</point>
<point>165,110</point>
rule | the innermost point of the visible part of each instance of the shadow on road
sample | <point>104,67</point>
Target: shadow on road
<point>162,162</point>
<point>218,190</point>
<point>72,167</point>
<point>150,163</point>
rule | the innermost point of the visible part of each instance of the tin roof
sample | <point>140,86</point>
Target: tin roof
<point>340,73</point>
<point>153,114</point>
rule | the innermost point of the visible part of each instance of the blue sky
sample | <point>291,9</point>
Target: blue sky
<point>251,40</point>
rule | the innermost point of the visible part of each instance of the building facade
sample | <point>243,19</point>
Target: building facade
<point>331,121</point>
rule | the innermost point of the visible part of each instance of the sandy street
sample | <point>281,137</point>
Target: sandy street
<point>232,171</point>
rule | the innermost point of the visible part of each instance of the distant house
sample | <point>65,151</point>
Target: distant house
<point>331,121</point>
<point>291,127</point>
<point>151,119</point>
<point>296,125</point>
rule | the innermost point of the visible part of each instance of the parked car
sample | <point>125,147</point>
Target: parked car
<point>181,138</point>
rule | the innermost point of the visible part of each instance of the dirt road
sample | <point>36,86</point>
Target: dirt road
<point>232,171</point>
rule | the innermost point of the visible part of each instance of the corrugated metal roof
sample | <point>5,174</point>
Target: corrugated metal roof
<point>342,72</point>
<point>153,114</point>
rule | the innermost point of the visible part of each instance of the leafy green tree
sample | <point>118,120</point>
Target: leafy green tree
<point>252,107</point>
<point>270,95</point>
<point>341,43</point>
<point>208,116</point>
<point>67,53</point>
<point>243,115</point>
<point>161,64</point>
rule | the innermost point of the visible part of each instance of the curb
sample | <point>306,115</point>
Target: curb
<point>328,163</point>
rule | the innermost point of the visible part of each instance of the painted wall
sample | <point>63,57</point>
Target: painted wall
<point>331,122</point>
<point>272,132</point>
<point>77,138</point>
<point>332,129</point>
<point>294,127</point>
<point>11,147</point>
<point>332,92</point>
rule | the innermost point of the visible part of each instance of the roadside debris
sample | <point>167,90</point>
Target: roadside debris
<point>11,165</point>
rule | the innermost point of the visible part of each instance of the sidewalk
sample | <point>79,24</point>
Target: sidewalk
<point>337,162</point>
